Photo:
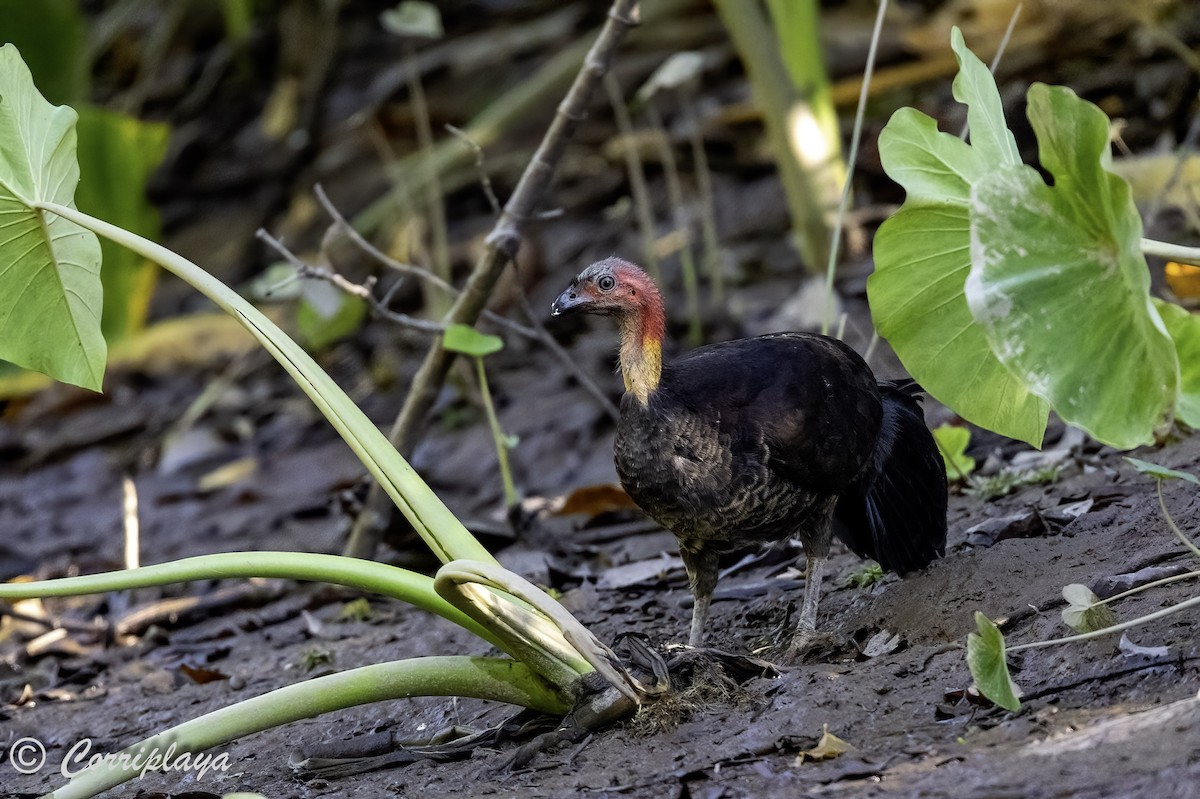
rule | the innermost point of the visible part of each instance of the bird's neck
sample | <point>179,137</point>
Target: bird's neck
<point>642,331</point>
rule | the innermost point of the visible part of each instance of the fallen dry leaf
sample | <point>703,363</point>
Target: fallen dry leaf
<point>829,747</point>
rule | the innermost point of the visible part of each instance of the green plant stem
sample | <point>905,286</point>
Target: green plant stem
<point>510,490</point>
<point>432,520</point>
<point>1116,628</point>
<point>835,241</point>
<point>1187,542</point>
<point>492,679</point>
<point>367,575</point>
<point>1172,252</point>
<point>538,629</point>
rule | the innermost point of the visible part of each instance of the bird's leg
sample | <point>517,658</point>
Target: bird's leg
<point>812,596</point>
<point>701,566</point>
<point>806,632</point>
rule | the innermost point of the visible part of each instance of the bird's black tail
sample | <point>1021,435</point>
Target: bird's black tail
<point>896,511</point>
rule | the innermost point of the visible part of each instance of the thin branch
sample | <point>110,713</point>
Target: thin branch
<point>341,224</point>
<point>502,245</point>
<point>364,291</point>
<point>542,334</point>
<point>485,180</point>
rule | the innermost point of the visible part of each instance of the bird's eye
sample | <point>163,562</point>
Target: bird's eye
<point>606,283</point>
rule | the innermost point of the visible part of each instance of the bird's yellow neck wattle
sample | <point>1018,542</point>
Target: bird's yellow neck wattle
<point>641,348</point>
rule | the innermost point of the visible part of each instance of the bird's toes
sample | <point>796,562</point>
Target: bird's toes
<point>809,646</point>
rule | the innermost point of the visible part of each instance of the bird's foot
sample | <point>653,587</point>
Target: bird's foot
<point>809,645</point>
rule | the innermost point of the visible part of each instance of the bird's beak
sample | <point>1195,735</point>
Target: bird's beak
<point>569,300</point>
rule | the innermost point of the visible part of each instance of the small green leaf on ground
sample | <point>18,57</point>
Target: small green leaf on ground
<point>989,669</point>
<point>469,341</point>
<point>1161,472</point>
<point>1083,613</point>
<point>356,610</point>
<point>952,442</point>
<point>1052,266</point>
<point>50,295</point>
<point>866,576</point>
<point>1184,328</point>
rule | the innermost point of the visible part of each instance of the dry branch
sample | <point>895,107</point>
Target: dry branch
<point>502,245</point>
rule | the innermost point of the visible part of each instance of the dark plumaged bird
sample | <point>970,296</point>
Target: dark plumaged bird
<point>751,441</point>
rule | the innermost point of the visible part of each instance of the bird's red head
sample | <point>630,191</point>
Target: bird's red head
<point>613,287</point>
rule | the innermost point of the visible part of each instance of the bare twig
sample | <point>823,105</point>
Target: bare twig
<point>343,226</point>
<point>502,245</point>
<point>364,291</point>
<point>484,179</point>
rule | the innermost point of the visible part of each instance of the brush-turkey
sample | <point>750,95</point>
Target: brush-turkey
<point>754,440</point>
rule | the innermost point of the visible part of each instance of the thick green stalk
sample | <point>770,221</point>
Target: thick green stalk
<point>444,534</point>
<point>494,679</point>
<point>367,575</point>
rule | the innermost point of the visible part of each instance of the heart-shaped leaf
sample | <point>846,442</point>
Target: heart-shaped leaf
<point>50,295</point>
<point>989,669</point>
<point>923,257</point>
<point>469,341</point>
<point>1083,613</point>
<point>1059,283</point>
<point>952,442</point>
<point>1184,328</point>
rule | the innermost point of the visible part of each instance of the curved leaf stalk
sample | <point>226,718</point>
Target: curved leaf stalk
<point>1116,628</point>
<point>368,575</point>
<point>544,633</point>
<point>495,679</point>
<point>444,534</point>
<point>1182,536</point>
<point>1174,252</point>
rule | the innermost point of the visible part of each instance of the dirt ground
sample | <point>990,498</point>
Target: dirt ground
<point>226,455</point>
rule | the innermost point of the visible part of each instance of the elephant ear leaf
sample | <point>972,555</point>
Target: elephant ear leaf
<point>923,257</point>
<point>50,295</point>
<point>1059,283</point>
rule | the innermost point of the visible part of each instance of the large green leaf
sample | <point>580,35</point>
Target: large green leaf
<point>50,295</point>
<point>1184,328</point>
<point>117,153</point>
<point>922,259</point>
<point>1059,283</point>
